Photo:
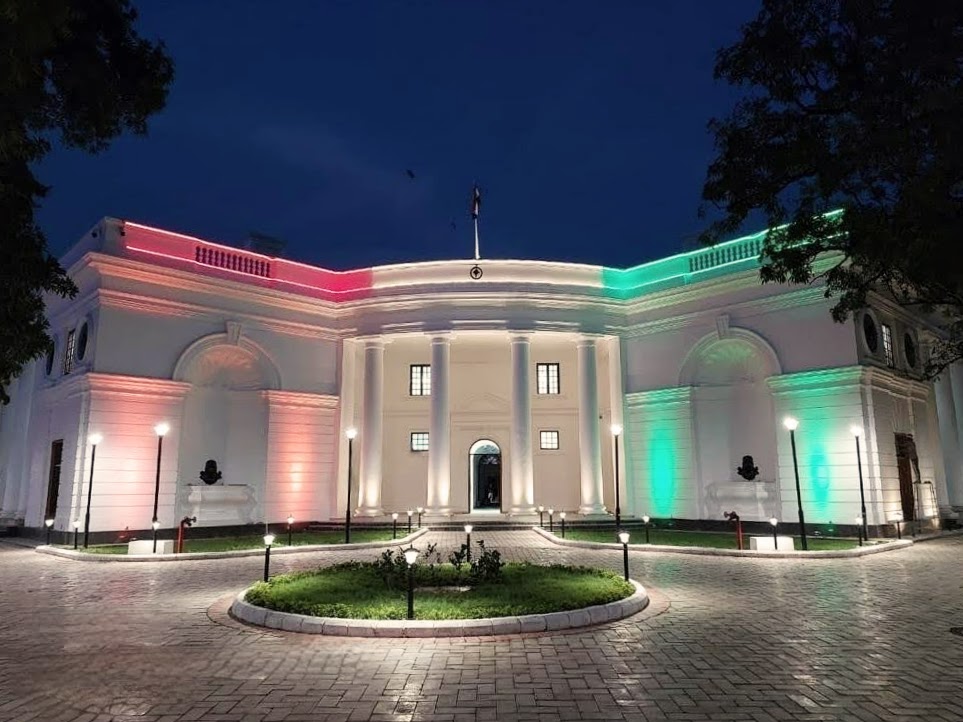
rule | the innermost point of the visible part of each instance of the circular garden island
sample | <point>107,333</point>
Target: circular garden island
<point>361,598</point>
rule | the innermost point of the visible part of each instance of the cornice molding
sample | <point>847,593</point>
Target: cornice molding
<point>281,399</point>
<point>831,378</point>
<point>659,397</point>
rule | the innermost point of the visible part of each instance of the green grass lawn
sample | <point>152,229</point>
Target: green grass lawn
<point>358,591</point>
<point>713,540</point>
<point>256,541</point>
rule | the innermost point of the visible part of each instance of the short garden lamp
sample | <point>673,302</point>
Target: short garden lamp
<point>898,520</point>
<point>624,538</point>
<point>49,524</point>
<point>290,526</point>
<point>541,516</point>
<point>154,525</point>
<point>645,521</point>
<point>411,556</point>
<point>394,525</point>
<point>268,541</point>
<point>562,517</point>
<point>774,522</point>
<point>76,533</point>
<point>859,528</point>
<point>421,510</point>
<point>551,520</point>
<point>468,528</point>
<point>410,512</point>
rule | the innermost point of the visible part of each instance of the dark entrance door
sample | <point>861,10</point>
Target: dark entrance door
<point>907,464</point>
<point>53,480</point>
<point>486,470</point>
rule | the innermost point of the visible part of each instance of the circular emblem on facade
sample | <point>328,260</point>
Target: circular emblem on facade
<point>476,272</point>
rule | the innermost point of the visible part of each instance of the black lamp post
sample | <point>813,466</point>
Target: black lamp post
<point>551,520</point>
<point>857,432</point>
<point>411,556</point>
<point>421,510</point>
<point>859,523</point>
<point>350,433</point>
<point>792,424</point>
<point>394,525</point>
<point>624,538</point>
<point>616,431</point>
<point>268,541</point>
<point>161,430</point>
<point>645,522</point>
<point>898,518</point>
<point>94,439</point>
<point>775,539</point>
<point>76,533</point>
<point>562,517</point>
<point>468,528</point>
<point>410,512</point>
<point>541,517</point>
<point>290,526</point>
<point>49,524</point>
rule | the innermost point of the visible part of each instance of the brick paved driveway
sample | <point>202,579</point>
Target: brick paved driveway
<point>725,639</point>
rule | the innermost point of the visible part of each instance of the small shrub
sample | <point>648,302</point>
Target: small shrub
<point>487,566</point>
<point>458,558</point>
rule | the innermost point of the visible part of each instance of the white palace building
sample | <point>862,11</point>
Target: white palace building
<point>480,390</point>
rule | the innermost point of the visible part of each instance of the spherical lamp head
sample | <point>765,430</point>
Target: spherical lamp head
<point>624,537</point>
<point>76,523</point>
<point>774,521</point>
<point>791,423</point>
<point>48,523</point>
<point>856,431</point>
<point>411,556</point>
<point>645,519</point>
<point>468,528</point>
<point>162,428</point>
<point>290,519</point>
<point>616,429</point>
<point>95,439</point>
<point>351,433</point>
<point>562,515</point>
<point>395,516</point>
<point>268,540</point>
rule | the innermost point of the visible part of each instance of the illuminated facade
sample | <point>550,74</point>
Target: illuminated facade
<point>481,391</point>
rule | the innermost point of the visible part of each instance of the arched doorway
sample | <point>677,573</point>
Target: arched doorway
<point>485,470</point>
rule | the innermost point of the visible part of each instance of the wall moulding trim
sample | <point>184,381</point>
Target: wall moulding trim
<point>660,397</point>
<point>887,380</point>
<point>816,379</point>
<point>100,383</point>
<point>302,399</point>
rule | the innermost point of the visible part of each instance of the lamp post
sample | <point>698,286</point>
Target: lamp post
<point>562,517</point>
<point>792,424</point>
<point>421,510</point>
<point>410,512</point>
<point>468,528</point>
<point>350,433</point>
<point>551,520</point>
<point>541,517</point>
<point>161,430</point>
<point>898,519</point>
<point>49,524</point>
<point>857,431</point>
<point>268,541</point>
<point>616,431</point>
<point>394,525</point>
<point>859,523</point>
<point>76,533</point>
<point>775,539</point>
<point>155,525</point>
<point>645,521</point>
<point>411,556</point>
<point>624,538</point>
<point>290,525</point>
<point>94,439</point>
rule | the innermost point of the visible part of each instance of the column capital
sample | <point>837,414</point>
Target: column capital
<point>440,337</point>
<point>588,340</point>
<point>371,341</point>
<point>520,336</point>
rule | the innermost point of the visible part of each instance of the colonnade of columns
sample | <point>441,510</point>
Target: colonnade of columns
<point>519,492</point>
<point>949,411</point>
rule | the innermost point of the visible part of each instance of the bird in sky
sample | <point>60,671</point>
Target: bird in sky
<point>410,173</point>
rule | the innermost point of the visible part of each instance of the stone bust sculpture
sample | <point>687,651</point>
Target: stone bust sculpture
<point>748,470</point>
<point>210,475</point>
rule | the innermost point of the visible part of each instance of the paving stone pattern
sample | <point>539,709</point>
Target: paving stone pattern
<point>724,639</point>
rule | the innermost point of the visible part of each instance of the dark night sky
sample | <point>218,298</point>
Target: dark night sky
<point>586,129</point>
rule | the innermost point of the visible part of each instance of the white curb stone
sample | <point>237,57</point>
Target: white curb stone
<point>495,626</point>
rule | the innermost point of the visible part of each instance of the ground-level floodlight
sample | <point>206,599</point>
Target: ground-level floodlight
<point>268,541</point>
<point>411,556</point>
<point>394,525</point>
<point>645,521</point>
<point>775,540</point>
<point>624,538</point>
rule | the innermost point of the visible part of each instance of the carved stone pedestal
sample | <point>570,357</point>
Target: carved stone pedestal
<point>221,504</point>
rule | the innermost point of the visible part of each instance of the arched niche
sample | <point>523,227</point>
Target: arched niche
<point>225,419</point>
<point>734,417</point>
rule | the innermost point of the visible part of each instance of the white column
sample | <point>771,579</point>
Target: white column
<point>947,416</point>
<point>522,482</point>
<point>370,435</point>
<point>590,450</point>
<point>439,429</point>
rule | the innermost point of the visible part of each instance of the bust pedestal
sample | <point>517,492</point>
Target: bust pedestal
<point>221,504</point>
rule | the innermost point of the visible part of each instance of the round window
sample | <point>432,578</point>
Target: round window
<point>909,350</point>
<point>82,342</point>
<point>870,333</point>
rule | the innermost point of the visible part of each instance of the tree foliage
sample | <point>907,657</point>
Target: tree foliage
<point>852,105</point>
<point>73,72</point>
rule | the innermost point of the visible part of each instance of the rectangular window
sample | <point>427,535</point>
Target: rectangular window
<point>888,345</point>
<point>419,441</point>
<point>70,348</point>
<point>548,440</point>
<point>420,380</point>
<point>53,479</point>
<point>546,376</point>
